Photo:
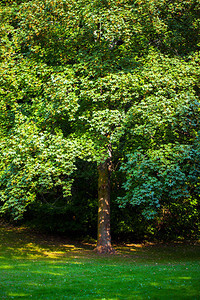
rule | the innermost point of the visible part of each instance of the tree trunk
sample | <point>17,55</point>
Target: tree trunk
<point>104,237</point>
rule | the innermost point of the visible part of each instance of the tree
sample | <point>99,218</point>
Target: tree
<point>90,81</point>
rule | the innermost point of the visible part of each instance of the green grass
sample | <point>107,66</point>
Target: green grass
<point>35,266</point>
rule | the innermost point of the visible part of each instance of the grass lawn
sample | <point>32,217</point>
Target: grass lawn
<point>35,266</point>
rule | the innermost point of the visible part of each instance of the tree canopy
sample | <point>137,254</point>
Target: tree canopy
<point>85,81</point>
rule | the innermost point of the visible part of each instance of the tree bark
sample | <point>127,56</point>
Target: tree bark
<point>104,237</point>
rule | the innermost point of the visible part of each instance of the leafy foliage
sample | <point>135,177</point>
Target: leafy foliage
<point>34,163</point>
<point>168,177</point>
<point>79,77</point>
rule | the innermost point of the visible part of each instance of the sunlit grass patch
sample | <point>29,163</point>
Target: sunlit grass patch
<point>34,266</point>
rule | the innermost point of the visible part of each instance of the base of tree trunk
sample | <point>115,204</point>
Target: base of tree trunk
<point>105,250</point>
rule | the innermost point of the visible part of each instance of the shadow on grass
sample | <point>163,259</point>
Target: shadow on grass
<point>23,243</point>
<point>20,242</point>
<point>161,252</point>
